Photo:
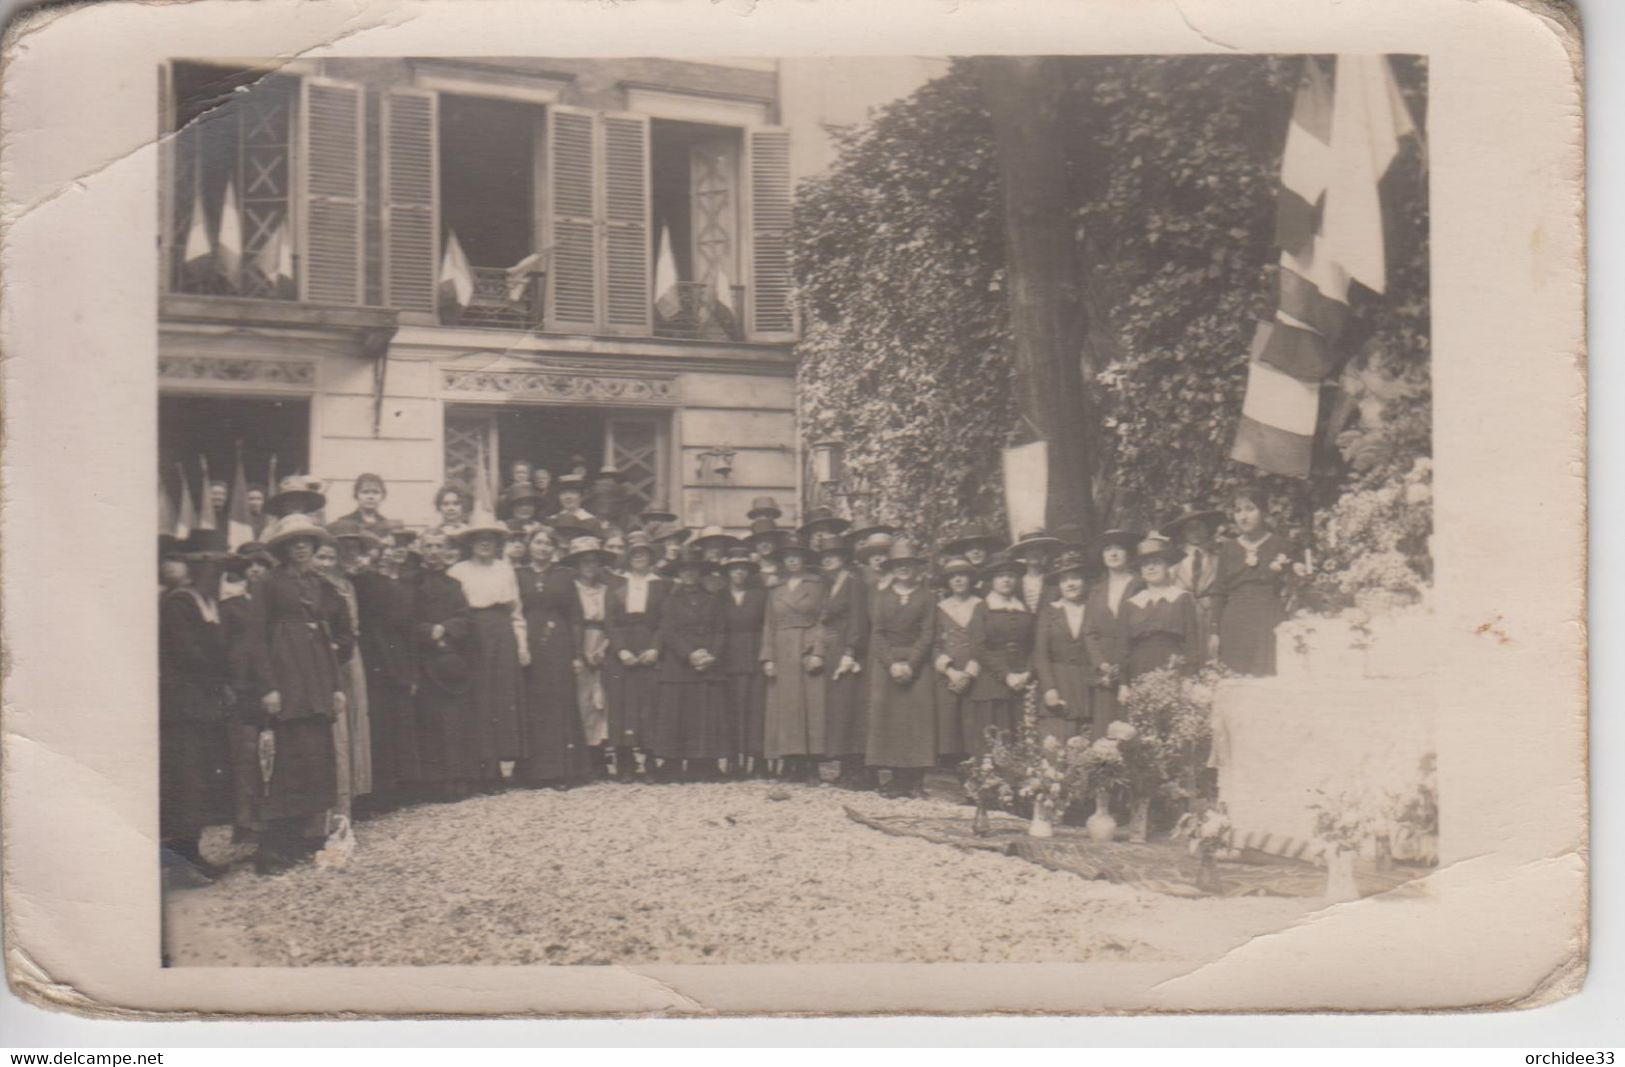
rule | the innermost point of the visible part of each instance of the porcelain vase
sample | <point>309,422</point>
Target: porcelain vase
<point>1101,826</point>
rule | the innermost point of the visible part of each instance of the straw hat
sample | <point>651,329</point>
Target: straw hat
<point>638,541</point>
<point>715,536</point>
<point>296,524</point>
<point>957,565</point>
<point>481,522</point>
<point>902,551</point>
<point>583,548</point>
<point>664,533</point>
<point>1069,561</point>
<point>822,520</point>
<point>297,493</point>
<point>1035,540</point>
<point>1174,526</point>
<point>1155,547</point>
<point>764,507</point>
<point>976,536</point>
<point>877,541</point>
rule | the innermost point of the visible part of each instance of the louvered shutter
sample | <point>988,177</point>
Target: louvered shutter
<point>768,152</point>
<point>411,189</point>
<point>331,230</point>
<point>627,304</point>
<point>572,281</point>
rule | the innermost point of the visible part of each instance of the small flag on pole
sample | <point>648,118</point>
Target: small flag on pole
<point>456,281</point>
<point>166,511</point>
<point>205,511</point>
<point>668,303</point>
<point>198,249</point>
<point>229,248</point>
<point>186,516</point>
<point>239,523</point>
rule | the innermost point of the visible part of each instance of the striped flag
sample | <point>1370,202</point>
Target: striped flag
<point>1341,141</point>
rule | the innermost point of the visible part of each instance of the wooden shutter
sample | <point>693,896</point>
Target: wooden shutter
<point>333,163</point>
<point>411,190</point>
<point>572,174</point>
<point>768,154</point>
<point>627,304</point>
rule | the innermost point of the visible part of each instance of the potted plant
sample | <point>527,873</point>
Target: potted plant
<point>986,784</point>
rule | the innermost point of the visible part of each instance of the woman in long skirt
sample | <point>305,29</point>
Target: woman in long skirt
<point>902,704</point>
<point>959,624</point>
<point>590,562</point>
<point>449,757</point>
<point>1249,598</point>
<point>352,733</point>
<point>1068,658</point>
<point>843,642</point>
<point>556,752</point>
<point>744,609</point>
<point>385,618</point>
<point>194,754</point>
<point>1160,620</point>
<point>691,730</point>
<point>631,680</point>
<point>248,664</point>
<point>998,698</point>
<point>791,660</point>
<point>500,647</point>
<point>1115,551</point>
<point>298,760</point>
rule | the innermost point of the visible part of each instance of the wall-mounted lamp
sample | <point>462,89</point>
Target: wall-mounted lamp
<point>716,462</point>
<point>827,458</point>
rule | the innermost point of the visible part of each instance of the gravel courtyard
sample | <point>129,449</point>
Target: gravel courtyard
<point>697,873</point>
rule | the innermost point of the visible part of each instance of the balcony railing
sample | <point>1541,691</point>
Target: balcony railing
<point>502,301</point>
<point>691,310</point>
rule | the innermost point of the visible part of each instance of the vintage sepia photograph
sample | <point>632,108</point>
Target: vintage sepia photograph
<point>931,509</point>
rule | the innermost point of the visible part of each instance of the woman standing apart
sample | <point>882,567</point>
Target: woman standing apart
<point>691,731</point>
<point>1250,590</point>
<point>843,638</point>
<point>297,756</point>
<point>448,748</point>
<point>631,681</point>
<point>744,609</point>
<point>959,634</point>
<point>902,705</point>
<point>1160,620</point>
<point>500,643</point>
<point>556,752</point>
<point>998,698</point>
<point>793,661</point>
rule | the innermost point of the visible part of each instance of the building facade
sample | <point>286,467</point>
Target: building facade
<point>429,268</point>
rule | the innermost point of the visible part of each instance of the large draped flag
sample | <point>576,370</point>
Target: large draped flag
<point>1343,137</point>
<point>239,523</point>
<point>456,280</point>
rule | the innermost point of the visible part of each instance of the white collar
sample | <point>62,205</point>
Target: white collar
<point>1170,594</point>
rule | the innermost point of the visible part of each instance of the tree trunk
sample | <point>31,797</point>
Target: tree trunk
<point>1043,289</point>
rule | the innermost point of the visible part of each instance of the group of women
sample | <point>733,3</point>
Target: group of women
<point>352,666</point>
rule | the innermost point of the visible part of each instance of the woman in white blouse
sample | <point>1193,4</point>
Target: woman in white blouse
<point>589,560</point>
<point>500,648</point>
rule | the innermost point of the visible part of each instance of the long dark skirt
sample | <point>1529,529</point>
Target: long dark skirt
<point>195,777</point>
<point>630,698</point>
<point>304,771</point>
<point>496,687</point>
<point>1247,631</point>
<point>1153,652</point>
<point>952,710</point>
<point>555,746</point>
<point>846,718</point>
<point>449,761</point>
<point>394,733</point>
<point>694,720</point>
<point>747,695</point>
<point>1003,714</point>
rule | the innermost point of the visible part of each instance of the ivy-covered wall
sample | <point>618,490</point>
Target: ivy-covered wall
<point>1174,160</point>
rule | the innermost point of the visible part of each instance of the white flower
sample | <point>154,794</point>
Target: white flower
<point>1121,731</point>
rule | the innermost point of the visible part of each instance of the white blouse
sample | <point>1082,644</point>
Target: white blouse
<point>637,593</point>
<point>592,600</point>
<point>487,585</point>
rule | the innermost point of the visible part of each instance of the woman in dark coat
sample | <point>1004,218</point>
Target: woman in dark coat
<point>959,624</point>
<point>1160,620</point>
<point>501,647</point>
<point>1104,618</point>
<point>299,760</point>
<point>1071,659</point>
<point>843,642</point>
<point>556,752</point>
<point>631,676</point>
<point>448,758</point>
<point>795,668</point>
<point>1249,593</point>
<point>744,605</point>
<point>902,704</point>
<point>194,755</point>
<point>998,697</point>
<point>248,666</point>
<point>386,624</point>
<point>692,723</point>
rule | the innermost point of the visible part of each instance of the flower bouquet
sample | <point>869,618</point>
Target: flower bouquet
<point>986,784</point>
<point>1208,834</point>
<point>1102,770</point>
<point>1342,824</point>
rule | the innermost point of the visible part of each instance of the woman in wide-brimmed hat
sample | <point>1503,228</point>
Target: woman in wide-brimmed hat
<point>744,603</point>
<point>959,624</point>
<point>590,561</point>
<point>794,664</point>
<point>1036,549</point>
<point>195,778</point>
<point>822,520</point>
<point>870,547</point>
<point>297,494</point>
<point>1114,549</point>
<point>296,750</point>
<point>843,641</point>
<point>902,704</point>
<point>1249,594</point>
<point>1000,693</point>
<point>520,506</point>
<point>1069,659</point>
<point>500,643</point>
<point>556,751</point>
<point>1159,620</point>
<point>631,680</point>
<point>975,544</point>
<point>692,726</point>
<point>764,540</point>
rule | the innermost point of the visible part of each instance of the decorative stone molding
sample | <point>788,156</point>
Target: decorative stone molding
<point>218,370</point>
<point>561,387</point>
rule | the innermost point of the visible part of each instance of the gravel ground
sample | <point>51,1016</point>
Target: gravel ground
<point>695,873</point>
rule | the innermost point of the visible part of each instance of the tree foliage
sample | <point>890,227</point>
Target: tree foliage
<point>1174,161</point>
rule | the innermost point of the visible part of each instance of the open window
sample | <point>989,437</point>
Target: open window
<point>695,190</point>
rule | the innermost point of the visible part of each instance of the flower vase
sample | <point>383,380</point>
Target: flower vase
<point>1139,820</point>
<point>981,826</point>
<point>1101,826</point>
<point>1340,884</point>
<point>1043,824</point>
<point>1207,875</point>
